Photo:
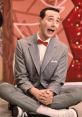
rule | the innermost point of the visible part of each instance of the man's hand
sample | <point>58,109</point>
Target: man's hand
<point>44,96</point>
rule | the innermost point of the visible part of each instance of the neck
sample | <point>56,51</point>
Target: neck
<point>44,38</point>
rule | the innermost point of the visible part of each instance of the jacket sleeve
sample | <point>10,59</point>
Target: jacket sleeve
<point>21,72</point>
<point>59,77</point>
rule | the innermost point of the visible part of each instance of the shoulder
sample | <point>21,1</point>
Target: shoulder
<point>26,40</point>
<point>62,45</point>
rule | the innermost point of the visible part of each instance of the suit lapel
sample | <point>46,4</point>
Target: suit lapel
<point>49,53</point>
<point>33,48</point>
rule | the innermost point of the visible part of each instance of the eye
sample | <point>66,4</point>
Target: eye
<point>50,19</point>
<point>58,20</point>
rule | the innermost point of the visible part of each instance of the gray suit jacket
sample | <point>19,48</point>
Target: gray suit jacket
<point>28,72</point>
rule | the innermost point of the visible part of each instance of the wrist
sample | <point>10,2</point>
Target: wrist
<point>33,90</point>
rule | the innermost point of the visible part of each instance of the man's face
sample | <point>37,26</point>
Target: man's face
<point>49,24</point>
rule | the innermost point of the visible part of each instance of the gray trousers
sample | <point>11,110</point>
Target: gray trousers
<point>67,97</point>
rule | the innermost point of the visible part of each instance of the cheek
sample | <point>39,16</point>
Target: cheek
<point>44,27</point>
<point>57,26</point>
<point>45,24</point>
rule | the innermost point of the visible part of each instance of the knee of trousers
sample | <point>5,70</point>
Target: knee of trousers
<point>6,90</point>
<point>78,92</point>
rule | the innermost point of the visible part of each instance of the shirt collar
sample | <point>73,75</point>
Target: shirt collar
<point>38,37</point>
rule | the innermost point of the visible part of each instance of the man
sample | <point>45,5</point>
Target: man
<point>40,71</point>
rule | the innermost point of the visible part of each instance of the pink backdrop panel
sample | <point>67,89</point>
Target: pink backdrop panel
<point>25,22</point>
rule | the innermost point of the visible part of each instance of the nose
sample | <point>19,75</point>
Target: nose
<point>56,25</point>
<point>52,24</point>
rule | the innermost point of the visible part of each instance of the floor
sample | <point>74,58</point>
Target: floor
<point>4,112</point>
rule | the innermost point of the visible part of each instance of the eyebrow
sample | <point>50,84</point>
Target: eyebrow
<point>51,16</point>
<point>57,18</point>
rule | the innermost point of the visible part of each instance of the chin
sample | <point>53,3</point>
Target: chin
<point>50,36</point>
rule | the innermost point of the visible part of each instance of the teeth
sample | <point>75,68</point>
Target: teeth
<point>51,30</point>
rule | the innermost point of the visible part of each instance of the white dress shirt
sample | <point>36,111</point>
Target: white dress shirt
<point>42,49</point>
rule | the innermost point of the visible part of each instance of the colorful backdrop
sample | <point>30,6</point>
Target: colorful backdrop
<point>25,22</point>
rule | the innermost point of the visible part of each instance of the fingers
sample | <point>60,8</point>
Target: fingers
<point>46,99</point>
<point>44,96</point>
<point>46,102</point>
<point>49,92</point>
<point>46,93</point>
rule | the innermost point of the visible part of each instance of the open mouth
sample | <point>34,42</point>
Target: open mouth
<point>51,30</point>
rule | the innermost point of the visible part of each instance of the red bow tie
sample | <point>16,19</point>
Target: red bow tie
<point>42,42</point>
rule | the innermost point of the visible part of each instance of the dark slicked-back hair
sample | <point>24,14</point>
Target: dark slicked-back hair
<point>43,11</point>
